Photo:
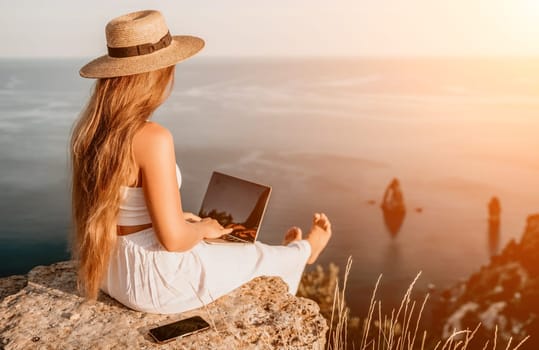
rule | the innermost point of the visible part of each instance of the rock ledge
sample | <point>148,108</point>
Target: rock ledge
<point>47,313</point>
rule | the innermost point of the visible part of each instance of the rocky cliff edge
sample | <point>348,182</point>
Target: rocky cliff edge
<point>42,310</point>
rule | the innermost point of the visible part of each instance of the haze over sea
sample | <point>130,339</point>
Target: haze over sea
<point>327,134</point>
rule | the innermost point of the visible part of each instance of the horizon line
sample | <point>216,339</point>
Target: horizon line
<point>404,56</point>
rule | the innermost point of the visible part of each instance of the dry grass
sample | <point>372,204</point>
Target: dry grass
<point>397,330</point>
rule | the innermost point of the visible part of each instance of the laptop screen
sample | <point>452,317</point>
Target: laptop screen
<point>236,203</point>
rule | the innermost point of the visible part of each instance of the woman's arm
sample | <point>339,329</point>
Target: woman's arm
<point>191,217</point>
<point>153,147</point>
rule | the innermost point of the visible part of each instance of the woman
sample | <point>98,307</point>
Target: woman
<point>132,239</point>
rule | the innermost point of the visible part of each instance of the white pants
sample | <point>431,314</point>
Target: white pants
<point>144,276</point>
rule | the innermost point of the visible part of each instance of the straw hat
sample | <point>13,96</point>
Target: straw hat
<point>140,42</point>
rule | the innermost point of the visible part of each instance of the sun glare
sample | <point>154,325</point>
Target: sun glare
<point>526,14</point>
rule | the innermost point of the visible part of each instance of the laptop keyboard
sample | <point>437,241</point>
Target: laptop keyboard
<point>230,237</point>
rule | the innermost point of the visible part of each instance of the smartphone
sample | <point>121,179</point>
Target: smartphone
<point>178,329</point>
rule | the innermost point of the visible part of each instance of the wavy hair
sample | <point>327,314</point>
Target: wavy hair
<point>102,160</point>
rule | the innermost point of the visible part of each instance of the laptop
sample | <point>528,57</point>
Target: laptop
<point>236,203</point>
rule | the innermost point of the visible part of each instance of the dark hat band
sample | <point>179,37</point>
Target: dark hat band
<point>142,49</point>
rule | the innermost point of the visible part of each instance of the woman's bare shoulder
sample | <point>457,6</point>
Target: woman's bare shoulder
<point>151,141</point>
<point>154,130</point>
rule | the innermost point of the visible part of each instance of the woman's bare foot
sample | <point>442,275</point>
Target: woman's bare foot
<point>319,235</point>
<point>293,234</point>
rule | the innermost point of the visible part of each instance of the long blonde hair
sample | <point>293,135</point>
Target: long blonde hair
<point>102,160</point>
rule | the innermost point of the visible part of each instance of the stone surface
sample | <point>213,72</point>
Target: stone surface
<point>11,285</point>
<point>504,293</point>
<point>47,313</point>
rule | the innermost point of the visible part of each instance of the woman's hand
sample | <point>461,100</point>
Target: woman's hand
<point>191,217</point>
<point>211,228</point>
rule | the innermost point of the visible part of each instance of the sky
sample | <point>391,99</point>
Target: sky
<point>71,28</point>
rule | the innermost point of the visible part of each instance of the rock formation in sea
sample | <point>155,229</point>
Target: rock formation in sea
<point>504,293</point>
<point>42,310</point>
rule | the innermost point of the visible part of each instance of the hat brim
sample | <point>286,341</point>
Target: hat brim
<point>181,48</point>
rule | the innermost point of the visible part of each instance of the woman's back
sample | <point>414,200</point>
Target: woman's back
<point>133,209</point>
<point>134,214</point>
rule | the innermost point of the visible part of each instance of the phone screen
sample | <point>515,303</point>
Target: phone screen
<point>179,328</point>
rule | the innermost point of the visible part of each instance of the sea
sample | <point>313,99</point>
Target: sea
<point>328,134</point>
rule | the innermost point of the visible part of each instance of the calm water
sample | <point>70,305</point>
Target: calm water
<point>328,135</point>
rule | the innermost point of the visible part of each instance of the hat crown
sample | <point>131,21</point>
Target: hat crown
<point>136,28</point>
<point>140,42</point>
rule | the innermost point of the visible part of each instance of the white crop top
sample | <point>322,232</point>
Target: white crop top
<point>133,210</point>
